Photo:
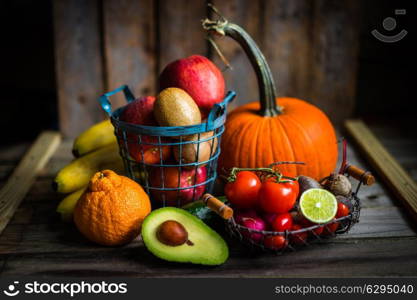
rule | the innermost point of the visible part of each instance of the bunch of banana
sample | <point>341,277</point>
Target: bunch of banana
<point>95,137</point>
<point>95,149</point>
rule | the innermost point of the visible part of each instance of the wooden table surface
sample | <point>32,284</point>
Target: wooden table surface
<point>36,242</point>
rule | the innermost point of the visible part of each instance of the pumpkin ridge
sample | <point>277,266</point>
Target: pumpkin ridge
<point>308,138</point>
<point>295,156</point>
<point>254,127</point>
<point>252,161</point>
<point>289,146</point>
<point>240,140</point>
<point>226,139</point>
<point>271,142</point>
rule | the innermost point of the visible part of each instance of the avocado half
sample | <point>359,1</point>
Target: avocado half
<point>208,247</point>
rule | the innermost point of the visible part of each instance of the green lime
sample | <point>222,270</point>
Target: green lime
<point>318,205</point>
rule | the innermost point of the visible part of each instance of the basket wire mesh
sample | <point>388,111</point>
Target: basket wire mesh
<point>295,239</point>
<point>148,159</point>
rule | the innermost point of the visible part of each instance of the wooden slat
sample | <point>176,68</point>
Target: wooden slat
<point>129,39</point>
<point>19,183</point>
<point>334,63</point>
<point>381,222</point>
<point>12,153</point>
<point>393,174</point>
<point>347,258</point>
<point>5,170</point>
<point>78,63</point>
<point>179,31</point>
<point>242,77</point>
<point>287,44</point>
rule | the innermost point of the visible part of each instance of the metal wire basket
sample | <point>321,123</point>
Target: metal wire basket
<point>147,153</point>
<point>294,239</point>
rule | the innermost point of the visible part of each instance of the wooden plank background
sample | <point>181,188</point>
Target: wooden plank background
<point>311,47</point>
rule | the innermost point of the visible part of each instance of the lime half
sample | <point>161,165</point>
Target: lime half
<point>318,205</point>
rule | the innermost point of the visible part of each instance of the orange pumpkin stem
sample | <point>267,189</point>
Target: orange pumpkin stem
<point>267,90</point>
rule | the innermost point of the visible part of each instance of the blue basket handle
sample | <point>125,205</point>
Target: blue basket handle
<point>105,101</point>
<point>218,108</point>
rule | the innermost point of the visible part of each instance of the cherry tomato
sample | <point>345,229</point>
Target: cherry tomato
<point>298,238</point>
<point>282,222</point>
<point>243,192</point>
<point>330,229</point>
<point>269,218</point>
<point>278,197</point>
<point>342,210</point>
<point>275,242</point>
<point>306,223</point>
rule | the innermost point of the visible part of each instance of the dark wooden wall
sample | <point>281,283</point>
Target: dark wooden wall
<point>311,47</point>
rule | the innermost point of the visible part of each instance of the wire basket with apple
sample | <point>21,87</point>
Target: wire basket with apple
<point>174,164</point>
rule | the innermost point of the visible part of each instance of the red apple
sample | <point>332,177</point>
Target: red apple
<point>199,77</point>
<point>187,178</point>
<point>140,111</point>
<point>148,154</point>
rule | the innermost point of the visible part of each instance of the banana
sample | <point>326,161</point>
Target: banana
<point>95,137</point>
<point>78,173</point>
<point>67,205</point>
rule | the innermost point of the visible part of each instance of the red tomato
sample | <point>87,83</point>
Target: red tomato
<point>298,238</point>
<point>270,179</point>
<point>278,197</point>
<point>275,242</point>
<point>282,222</point>
<point>306,223</point>
<point>243,192</point>
<point>342,210</point>
<point>331,228</point>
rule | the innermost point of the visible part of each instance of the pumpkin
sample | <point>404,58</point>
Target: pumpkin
<point>274,129</point>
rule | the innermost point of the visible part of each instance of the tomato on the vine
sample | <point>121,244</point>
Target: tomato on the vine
<point>243,192</point>
<point>276,197</point>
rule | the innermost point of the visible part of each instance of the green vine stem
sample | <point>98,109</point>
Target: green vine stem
<point>269,173</point>
<point>267,91</point>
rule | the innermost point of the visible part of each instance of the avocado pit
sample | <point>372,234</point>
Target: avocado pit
<point>172,233</point>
